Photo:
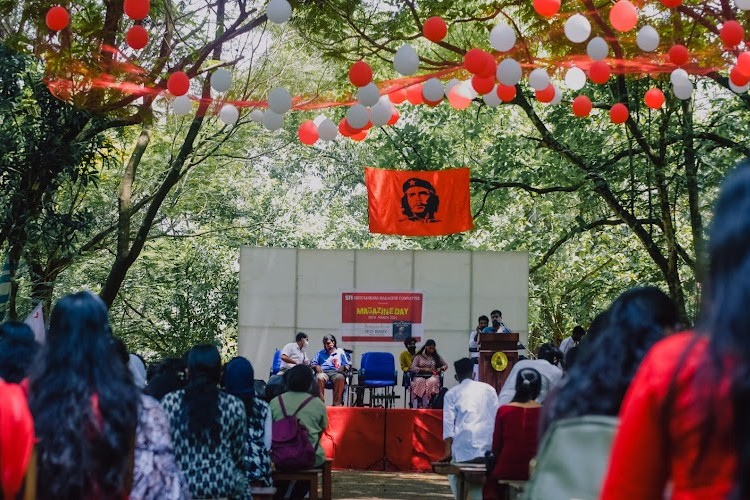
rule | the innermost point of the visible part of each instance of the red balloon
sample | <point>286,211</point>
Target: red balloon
<point>397,96</point>
<point>618,113</point>
<point>483,85</point>
<point>57,18</point>
<point>308,132</point>
<point>137,37</point>
<point>671,4</point>
<point>435,29</point>
<point>360,74</point>
<point>679,55</point>
<point>546,8</point>
<point>345,129</point>
<point>359,136</point>
<point>394,117</point>
<point>582,106</point>
<point>743,63</point>
<point>414,94</point>
<point>732,33</point>
<point>623,16</point>
<point>432,104</point>
<point>654,98</point>
<point>136,9</point>
<point>545,95</point>
<point>178,83</point>
<point>506,92</point>
<point>475,61</point>
<point>738,78</point>
<point>599,72</point>
<point>490,67</point>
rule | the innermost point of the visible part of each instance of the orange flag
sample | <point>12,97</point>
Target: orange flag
<point>418,203</point>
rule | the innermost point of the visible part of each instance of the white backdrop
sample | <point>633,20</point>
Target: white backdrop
<point>283,291</point>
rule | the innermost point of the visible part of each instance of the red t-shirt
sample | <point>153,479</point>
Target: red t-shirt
<point>645,459</point>
<point>515,441</point>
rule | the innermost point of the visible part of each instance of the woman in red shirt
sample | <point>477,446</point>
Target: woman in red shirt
<point>516,435</point>
<point>684,419</point>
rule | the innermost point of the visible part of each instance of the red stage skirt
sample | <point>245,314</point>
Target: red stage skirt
<point>355,438</point>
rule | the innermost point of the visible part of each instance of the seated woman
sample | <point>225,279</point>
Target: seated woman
<point>516,435</point>
<point>310,411</point>
<point>425,372</point>
<point>208,429</point>
<point>239,380</point>
<point>331,364</point>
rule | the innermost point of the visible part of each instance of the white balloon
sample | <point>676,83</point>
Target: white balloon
<point>742,4</point>
<point>182,105</point>
<point>279,11</point>
<point>433,90</point>
<point>509,72</point>
<point>539,79</point>
<point>406,60</point>
<point>502,37</point>
<point>577,28</point>
<point>358,116</point>
<point>647,39</point>
<point>737,89</point>
<point>221,80</point>
<point>229,114</point>
<point>679,77</point>
<point>469,89</point>
<point>558,97</point>
<point>272,121</point>
<point>318,120</point>
<point>450,84</point>
<point>575,78</point>
<point>256,115</point>
<point>683,90</point>
<point>380,113</point>
<point>597,48</point>
<point>492,99</point>
<point>327,130</point>
<point>369,95</point>
<point>280,100</point>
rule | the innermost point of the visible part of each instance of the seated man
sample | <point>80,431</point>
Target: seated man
<point>331,363</point>
<point>294,352</point>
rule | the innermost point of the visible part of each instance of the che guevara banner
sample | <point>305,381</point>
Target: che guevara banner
<point>418,203</point>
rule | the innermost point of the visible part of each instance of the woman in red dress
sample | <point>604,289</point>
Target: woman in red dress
<point>516,435</point>
<point>684,422</point>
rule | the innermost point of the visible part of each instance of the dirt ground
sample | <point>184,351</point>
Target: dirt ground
<point>356,484</point>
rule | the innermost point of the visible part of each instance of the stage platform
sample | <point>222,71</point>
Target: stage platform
<point>384,438</point>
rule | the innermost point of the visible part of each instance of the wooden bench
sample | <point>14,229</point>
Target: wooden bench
<point>263,492</point>
<point>469,473</point>
<point>310,476</point>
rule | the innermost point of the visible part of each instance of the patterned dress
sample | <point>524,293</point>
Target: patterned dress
<point>422,386</point>
<point>257,456</point>
<point>212,470</point>
<point>156,475</point>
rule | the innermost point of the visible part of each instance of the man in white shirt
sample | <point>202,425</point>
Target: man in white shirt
<point>294,352</point>
<point>468,422</point>
<point>547,366</point>
<point>573,340</point>
<point>482,323</point>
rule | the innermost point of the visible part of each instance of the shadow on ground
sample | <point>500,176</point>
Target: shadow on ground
<point>391,485</point>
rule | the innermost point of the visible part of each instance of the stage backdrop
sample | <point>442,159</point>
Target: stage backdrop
<point>283,291</point>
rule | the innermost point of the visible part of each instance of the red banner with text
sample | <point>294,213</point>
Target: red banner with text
<point>381,316</point>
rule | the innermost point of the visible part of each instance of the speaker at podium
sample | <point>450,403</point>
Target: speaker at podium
<point>498,352</point>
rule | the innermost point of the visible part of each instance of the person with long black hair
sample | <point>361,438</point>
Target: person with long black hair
<point>95,431</point>
<point>208,429</point>
<point>685,418</point>
<point>425,370</point>
<point>604,367</point>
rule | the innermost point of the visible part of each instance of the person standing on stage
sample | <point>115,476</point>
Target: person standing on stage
<point>482,323</point>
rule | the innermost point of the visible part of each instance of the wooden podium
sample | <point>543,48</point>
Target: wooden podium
<point>490,343</point>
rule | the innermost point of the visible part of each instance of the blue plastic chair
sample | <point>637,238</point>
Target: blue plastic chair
<point>275,364</point>
<point>378,374</point>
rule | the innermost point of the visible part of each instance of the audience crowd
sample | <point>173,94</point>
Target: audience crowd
<point>81,417</point>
